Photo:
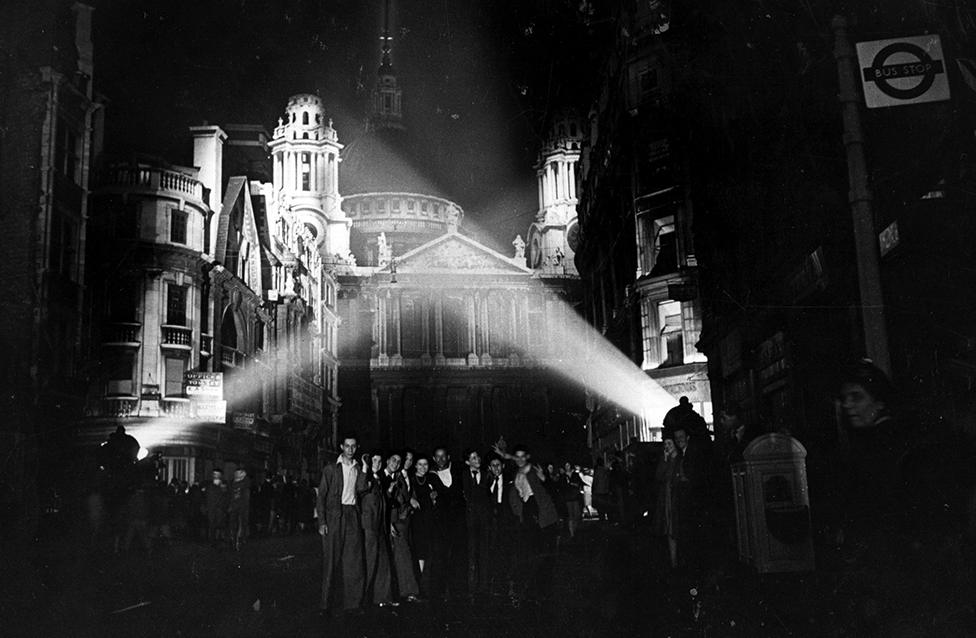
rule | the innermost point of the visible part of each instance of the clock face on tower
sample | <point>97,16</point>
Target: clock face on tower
<point>572,236</point>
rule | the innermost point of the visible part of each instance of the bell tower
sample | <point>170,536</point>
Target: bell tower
<point>305,152</point>
<point>552,237</point>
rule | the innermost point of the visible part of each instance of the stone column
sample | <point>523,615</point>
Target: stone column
<point>472,323</point>
<point>439,330</point>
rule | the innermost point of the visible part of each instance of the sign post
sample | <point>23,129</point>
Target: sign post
<point>860,198</point>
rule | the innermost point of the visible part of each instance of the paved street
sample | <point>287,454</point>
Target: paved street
<point>607,584</point>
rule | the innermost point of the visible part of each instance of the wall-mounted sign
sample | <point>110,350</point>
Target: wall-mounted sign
<point>204,384</point>
<point>208,410</point>
<point>889,239</point>
<point>903,71</point>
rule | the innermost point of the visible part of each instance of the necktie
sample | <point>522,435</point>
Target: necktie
<point>474,476</point>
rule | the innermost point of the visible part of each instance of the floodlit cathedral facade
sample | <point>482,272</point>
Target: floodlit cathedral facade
<point>286,288</point>
<point>445,341</point>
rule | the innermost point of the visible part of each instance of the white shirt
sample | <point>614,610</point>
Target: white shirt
<point>499,483</point>
<point>522,483</point>
<point>348,481</point>
<point>445,476</point>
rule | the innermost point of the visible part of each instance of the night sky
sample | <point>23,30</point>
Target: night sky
<point>478,76</point>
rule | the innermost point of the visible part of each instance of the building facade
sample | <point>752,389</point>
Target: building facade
<point>215,314</point>
<point>51,137</point>
<point>636,251</point>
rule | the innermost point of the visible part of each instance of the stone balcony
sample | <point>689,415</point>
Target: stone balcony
<point>122,334</point>
<point>232,357</point>
<point>153,179</point>
<point>176,337</point>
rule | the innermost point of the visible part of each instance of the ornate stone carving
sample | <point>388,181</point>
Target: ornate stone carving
<point>453,256</point>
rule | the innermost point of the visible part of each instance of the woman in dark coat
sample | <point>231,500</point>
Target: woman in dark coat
<point>423,483</point>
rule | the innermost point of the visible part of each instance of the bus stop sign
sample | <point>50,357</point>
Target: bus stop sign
<point>903,71</point>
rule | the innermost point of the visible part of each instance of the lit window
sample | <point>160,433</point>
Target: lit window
<point>672,337</point>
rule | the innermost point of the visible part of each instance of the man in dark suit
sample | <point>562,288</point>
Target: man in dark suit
<point>450,530</point>
<point>538,518</point>
<point>502,527</point>
<point>477,517</point>
<point>341,530</point>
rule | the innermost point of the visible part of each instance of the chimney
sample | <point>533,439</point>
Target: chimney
<point>208,156</point>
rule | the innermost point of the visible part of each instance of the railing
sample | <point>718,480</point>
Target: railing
<point>153,178</point>
<point>118,406</point>
<point>177,336</point>
<point>122,333</point>
<point>232,357</point>
<point>176,407</point>
<point>206,345</point>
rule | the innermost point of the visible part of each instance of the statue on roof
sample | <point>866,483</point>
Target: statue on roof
<point>519,244</point>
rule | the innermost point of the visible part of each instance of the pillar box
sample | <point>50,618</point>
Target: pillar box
<point>773,505</point>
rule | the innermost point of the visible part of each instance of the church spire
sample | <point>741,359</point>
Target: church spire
<point>386,100</point>
<point>386,59</point>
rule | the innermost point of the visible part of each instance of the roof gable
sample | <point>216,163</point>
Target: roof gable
<point>458,254</point>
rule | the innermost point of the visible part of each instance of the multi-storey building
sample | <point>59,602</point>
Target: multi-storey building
<point>50,135</point>
<point>215,315</point>
<point>636,252</point>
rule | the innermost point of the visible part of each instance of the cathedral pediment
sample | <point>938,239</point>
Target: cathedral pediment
<point>456,253</point>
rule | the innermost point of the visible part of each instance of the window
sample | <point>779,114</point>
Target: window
<point>176,305</point>
<point>306,172</point>
<point>650,337</point>
<point>410,205</point>
<point>119,371</point>
<point>423,207</point>
<point>666,258</point>
<point>67,158</point>
<point>657,246</point>
<point>672,336</point>
<point>305,118</point>
<point>396,204</point>
<point>173,386</point>
<point>387,103</point>
<point>177,226</point>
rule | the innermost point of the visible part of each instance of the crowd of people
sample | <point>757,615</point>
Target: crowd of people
<point>398,527</point>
